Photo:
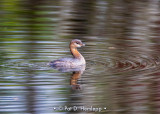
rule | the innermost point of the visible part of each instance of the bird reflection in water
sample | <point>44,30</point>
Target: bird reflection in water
<point>76,74</point>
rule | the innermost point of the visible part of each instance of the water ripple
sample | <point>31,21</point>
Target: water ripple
<point>125,64</point>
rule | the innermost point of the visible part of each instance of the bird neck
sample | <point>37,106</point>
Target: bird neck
<point>75,52</point>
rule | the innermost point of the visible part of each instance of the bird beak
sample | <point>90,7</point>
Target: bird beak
<point>84,44</point>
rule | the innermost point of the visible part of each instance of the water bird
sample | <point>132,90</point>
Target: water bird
<point>75,61</point>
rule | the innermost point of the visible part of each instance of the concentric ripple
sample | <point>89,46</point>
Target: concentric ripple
<point>126,63</point>
<point>135,64</point>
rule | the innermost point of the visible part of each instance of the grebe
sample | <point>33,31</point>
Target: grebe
<point>77,59</point>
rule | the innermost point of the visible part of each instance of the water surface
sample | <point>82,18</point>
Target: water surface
<point>122,54</point>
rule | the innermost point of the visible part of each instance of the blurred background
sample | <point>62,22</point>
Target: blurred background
<point>122,53</point>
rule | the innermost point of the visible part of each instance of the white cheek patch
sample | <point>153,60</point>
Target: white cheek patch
<point>78,45</point>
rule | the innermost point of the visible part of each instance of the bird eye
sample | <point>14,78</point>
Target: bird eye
<point>77,42</point>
